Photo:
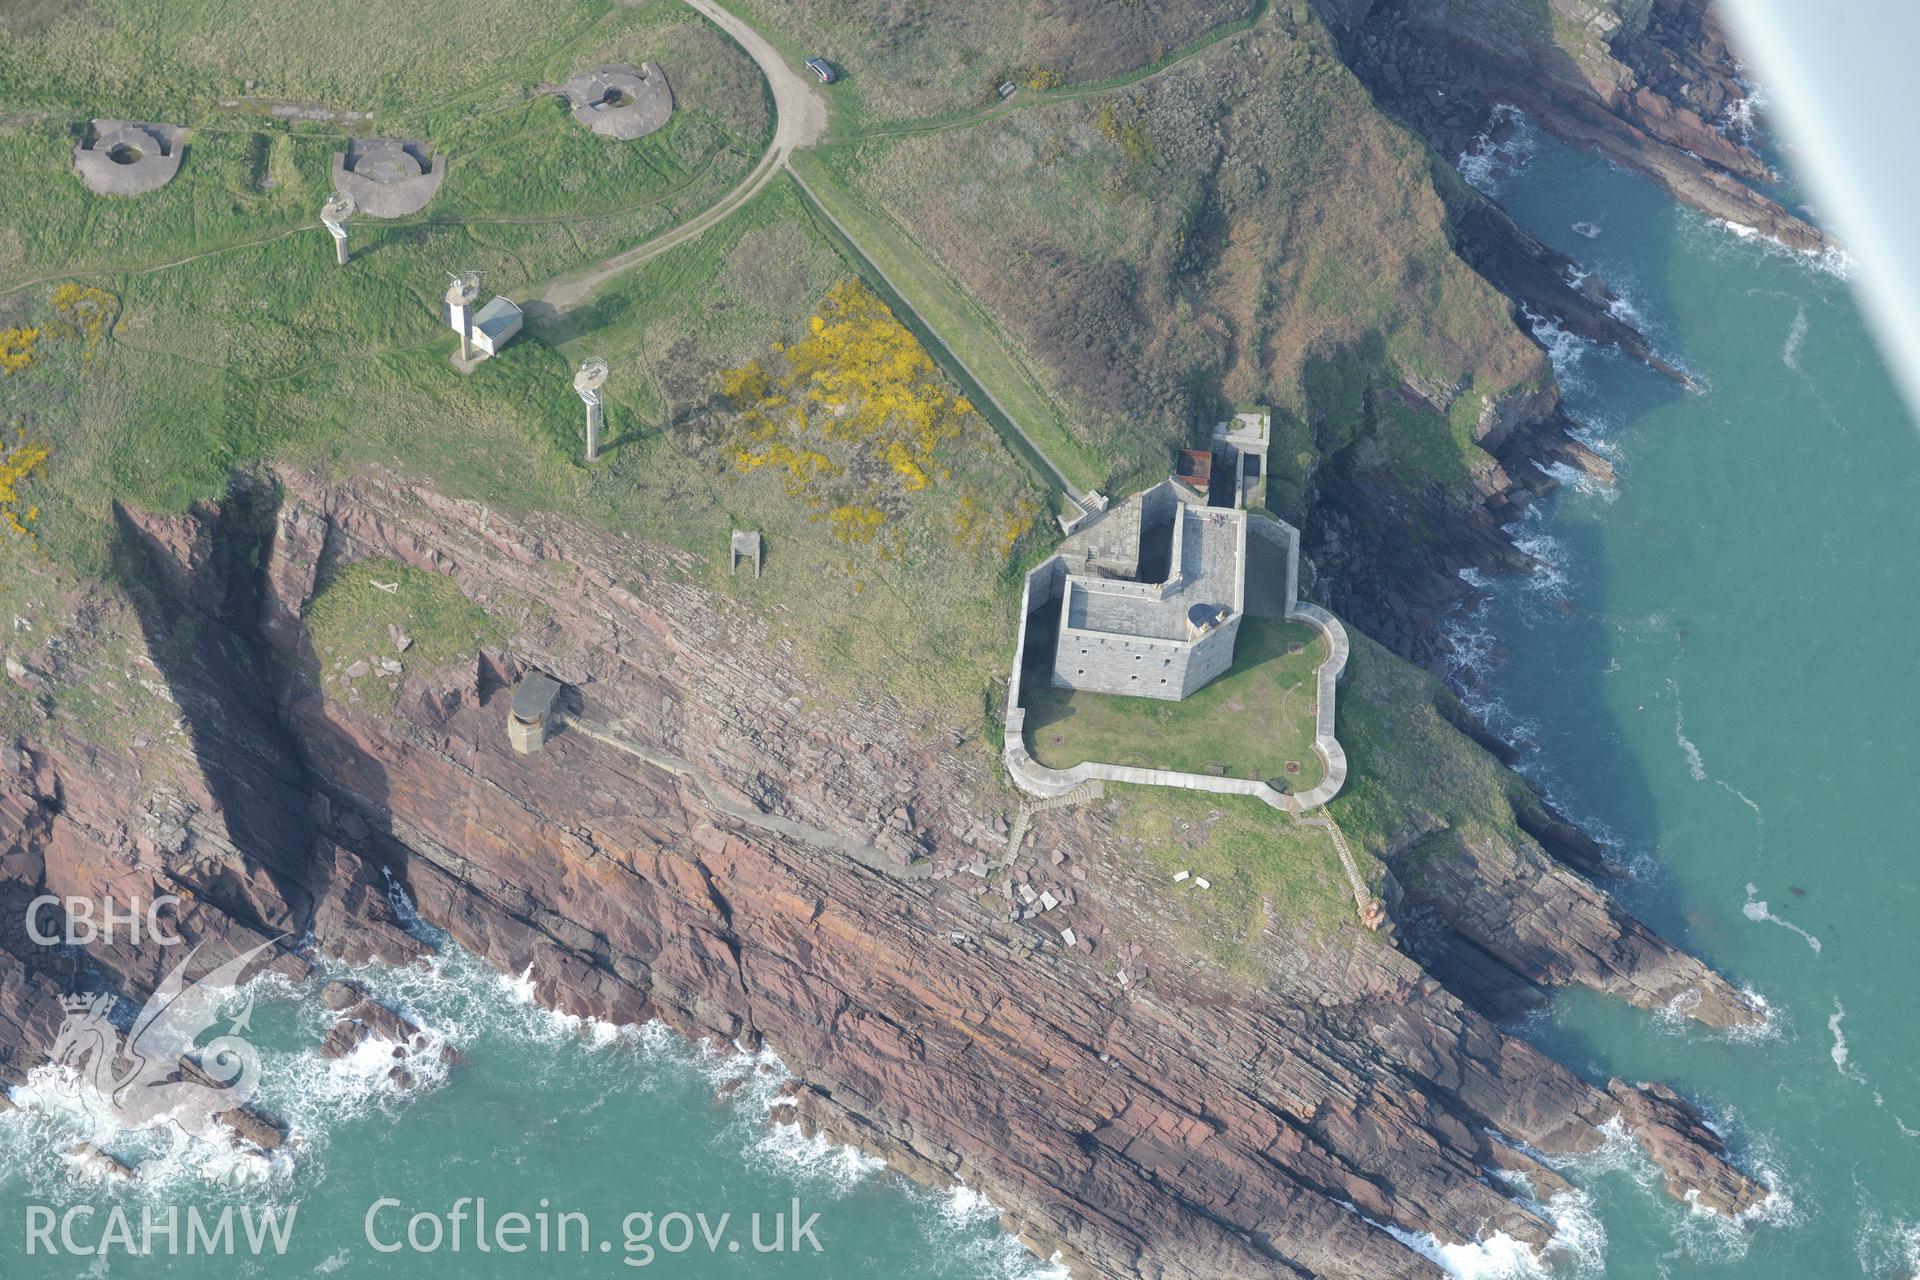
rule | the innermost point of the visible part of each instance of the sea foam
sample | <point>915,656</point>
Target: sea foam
<point>1488,165</point>
<point>1757,911</point>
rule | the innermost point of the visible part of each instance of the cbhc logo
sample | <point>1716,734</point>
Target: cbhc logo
<point>81,927</point>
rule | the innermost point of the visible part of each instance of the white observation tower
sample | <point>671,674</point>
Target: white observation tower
<point>333,215</point>
<point>587,382</point>
<point>461,291</point>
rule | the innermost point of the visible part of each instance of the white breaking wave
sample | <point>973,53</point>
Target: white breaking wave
<point>1498,1257</point>
<point>1889,1249</point>
<point>1698,1232</point>
<point>1564,349</point>
<point>1697,767</point>
<point>1756,911</point>
<point>1796,335</point>
<point>1741,119</point>
<point>1578,1248</point>
<point>1675,1018</point>
<point>1549,575</point>
<point>1696,764</point>
<point>1582,482</point>
<point>1622,308</point>
<point>1591,430</point>
<point>959,1217</point>
<point>1832,260</point>
<point>1488,165</point>
<point>1717,1238</point>
<point>1839,1052</point>
<point>457,1000</point>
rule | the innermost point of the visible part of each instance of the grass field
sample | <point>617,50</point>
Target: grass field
<point>1210,236</point>
<point>969,332</point>
<point>332,370</point>
<point>1264,873</point>
<point>523,177</point>
<point>350,617</point>
<point>897,65</point>
<point>1253,722</point>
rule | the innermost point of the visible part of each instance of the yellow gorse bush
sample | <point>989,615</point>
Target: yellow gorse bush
<point>16,349</point>
<point>20,461</point>
<point>79,311</point>
<point>83,312</point>
<point>854,418</point>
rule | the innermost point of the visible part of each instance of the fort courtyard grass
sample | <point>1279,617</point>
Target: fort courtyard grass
<point>1256,721</point>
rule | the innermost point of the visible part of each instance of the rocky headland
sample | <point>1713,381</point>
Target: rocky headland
<point>1650,84</point>
<point>708,842</point>
<point>715,840</point>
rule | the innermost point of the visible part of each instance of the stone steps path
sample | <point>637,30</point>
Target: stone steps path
<point>1022,821</point>
<point>1371,912</point>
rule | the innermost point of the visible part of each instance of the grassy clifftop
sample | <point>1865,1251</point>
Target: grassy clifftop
<point>900,64</point>
<point>1242,226</point>
<point>227,337</point>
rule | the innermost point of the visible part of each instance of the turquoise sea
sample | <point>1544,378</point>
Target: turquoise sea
<point>541,1115</point>
<point>1719,673</point>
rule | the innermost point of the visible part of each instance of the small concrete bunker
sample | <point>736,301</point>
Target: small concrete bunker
<point>387,177</point>
<point>530,719</point>
<point>745,546</point>
<point>493,325</point>
<point>127,158</point>
<point>620,100</point>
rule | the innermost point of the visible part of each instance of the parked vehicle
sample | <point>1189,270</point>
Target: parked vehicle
<point>824,69</point>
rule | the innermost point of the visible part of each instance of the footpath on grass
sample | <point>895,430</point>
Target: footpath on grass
<point>949,324</point>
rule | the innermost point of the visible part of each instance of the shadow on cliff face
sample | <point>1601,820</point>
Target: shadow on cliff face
<point>1551,644</point>
<point>1588,647</point>
<point>197,584</point>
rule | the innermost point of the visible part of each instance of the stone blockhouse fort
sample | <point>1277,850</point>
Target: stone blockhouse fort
<point>1147,598</point>
<point>1151,592</point>
<point>1151,595</point>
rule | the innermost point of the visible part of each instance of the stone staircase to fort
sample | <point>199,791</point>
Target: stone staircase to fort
<point>1023,820</point>
<point>1373,912</point>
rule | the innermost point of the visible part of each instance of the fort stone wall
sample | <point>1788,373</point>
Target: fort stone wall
<point>1210,657</point>
<point>1101,662</point>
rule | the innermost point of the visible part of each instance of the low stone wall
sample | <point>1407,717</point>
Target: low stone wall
<point>1332,754</point>
<point>1041,780</point>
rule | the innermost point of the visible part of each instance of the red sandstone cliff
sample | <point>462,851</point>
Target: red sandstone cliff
<point>707,844</point>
